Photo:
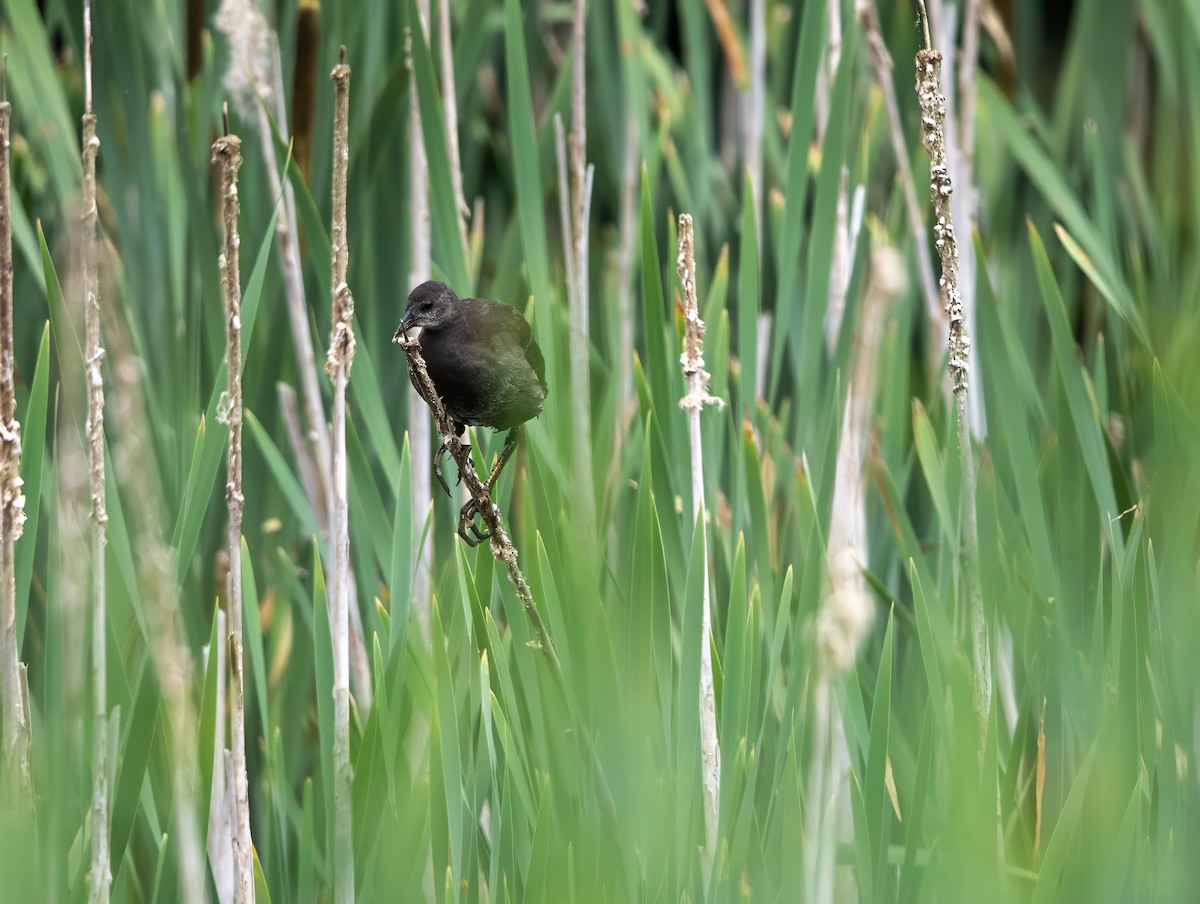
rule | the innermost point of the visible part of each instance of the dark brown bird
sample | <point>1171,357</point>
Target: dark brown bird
<point>485,365</point>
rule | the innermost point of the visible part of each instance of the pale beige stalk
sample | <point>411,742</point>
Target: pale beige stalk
<point>933,115</point>
<point>450,119</point>
<point>418,424</point>
<point>101,873</point>
<point>227,155</point>
<point>14,759</point>
<point>338,364</point>
<point>692,362</point>
<point>847,611</point>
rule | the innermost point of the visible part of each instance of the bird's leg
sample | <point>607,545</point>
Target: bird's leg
<point>459,430</point>
<point>437,468</point>
<point>466,516</point>
<point>510,446</point>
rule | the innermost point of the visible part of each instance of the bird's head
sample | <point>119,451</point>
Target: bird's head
<point>430,305</point>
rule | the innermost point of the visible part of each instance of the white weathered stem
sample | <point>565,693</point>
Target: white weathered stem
<point>828,816</point>
<point>839,265</point>
<point>220,825</point>
<point>754,105</point>
<point>287,245</point>
<point>418,424</point>
<point>14,759</point>
<point>228,156</point>
<point>360,669</point>
<point>450,119</point>
<point>933,114</point>
<point>339,362</point>
<point>101,873</point>
<point>692,362</point>
<point>847,610</point>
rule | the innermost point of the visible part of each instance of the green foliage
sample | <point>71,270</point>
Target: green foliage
<point>479,772</point>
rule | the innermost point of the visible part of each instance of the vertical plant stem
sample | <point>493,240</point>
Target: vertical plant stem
<point>627,233</point>
<point>227,155</point>
<point>933,115</point>
<point>101,874</point>
<point>14,759</point>
<point>288,245</point>
<point>340,359</point>
<point>754,105</point>
<point>304,81</point>
<point>195,39</point>
<point>697,397</point>
<point>575,239</point>
<point>450,119</point>
<point>881,64</point>
<point>418,424</point>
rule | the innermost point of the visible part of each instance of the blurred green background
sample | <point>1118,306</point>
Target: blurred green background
<point>478,776</point>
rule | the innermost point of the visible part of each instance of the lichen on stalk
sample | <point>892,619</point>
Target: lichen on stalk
<point>227,155</point>
<point>14,759</point>
<point>692,362</point>
<point>338,364</point>
<point>101,872</point>
<point>933,115</point>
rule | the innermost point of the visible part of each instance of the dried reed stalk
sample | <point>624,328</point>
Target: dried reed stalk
<point>418,424</point>
<point>338,364</point>
<point>101,873</point>
<point>692,362</point>
<point>227,155</point>
<point>14,759</point>
<point>933,115</point>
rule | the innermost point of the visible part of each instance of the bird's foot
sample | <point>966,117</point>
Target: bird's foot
<point>437,468</point>
<point>467,528</point>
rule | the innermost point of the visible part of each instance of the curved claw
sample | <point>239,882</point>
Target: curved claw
<point>466,519</point>
<point>437,468</point>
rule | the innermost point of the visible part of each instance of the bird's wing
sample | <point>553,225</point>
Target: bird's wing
<point>505,319</point>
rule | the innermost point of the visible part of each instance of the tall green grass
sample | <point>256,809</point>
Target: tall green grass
<point>477,775</point>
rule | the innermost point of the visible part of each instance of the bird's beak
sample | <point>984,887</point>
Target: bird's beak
<point>404,327</point>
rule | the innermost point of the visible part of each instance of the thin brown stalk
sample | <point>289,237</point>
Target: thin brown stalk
<point>304,81</point>
<point>227,155</point>
<point>195,39</point>
<point>101,873</point>
<point>450,119</point>
<point>338,364</point>
<point>697,397</point>
<point>933,115</point>
<point>502,546</point>
<point>731,45</point>
<point>418,424</point>
<point>14,760</point>
<point>881,64</point>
